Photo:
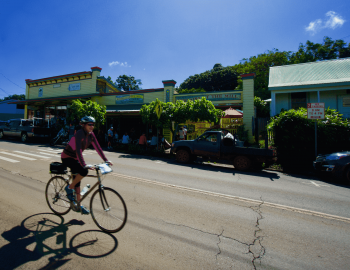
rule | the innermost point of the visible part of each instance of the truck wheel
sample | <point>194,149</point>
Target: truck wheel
<point>1,134</point>
<point>242,163</point>
<point>24,137</point>
<point>183,156</point>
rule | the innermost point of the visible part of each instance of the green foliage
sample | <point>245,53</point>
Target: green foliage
<point>125,82</point>
<point>262,107</point>
<point>260,65</point>
<point>79,109</point>
<point>294,136</point>
<point>198,110</point>
<point>227,78</point>
<point>190,91</point>
<point>242,133</point>
<point>17,97</point>
<point>218,79</point>
<point>311,52</point>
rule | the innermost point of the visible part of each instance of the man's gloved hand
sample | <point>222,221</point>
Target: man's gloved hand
<point>90,167</point>
<point>110,163</point>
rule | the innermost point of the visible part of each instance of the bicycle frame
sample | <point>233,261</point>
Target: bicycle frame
<point>98,183</point>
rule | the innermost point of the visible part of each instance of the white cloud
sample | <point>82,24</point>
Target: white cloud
<point>117,63</point>
<point>333,21</point>
<point>114,63</point>
<point>314,26</point>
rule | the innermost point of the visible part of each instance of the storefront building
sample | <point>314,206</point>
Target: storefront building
<point>293,86</point>
<point>52,96</point>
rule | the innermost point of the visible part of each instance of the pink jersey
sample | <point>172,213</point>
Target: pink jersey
<point>78,143</point>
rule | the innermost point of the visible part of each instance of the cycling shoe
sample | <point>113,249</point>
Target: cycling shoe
<point>83,210</point>
<point>70,193</point>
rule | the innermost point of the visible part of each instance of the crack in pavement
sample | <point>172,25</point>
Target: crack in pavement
<point>215,234</point>
<point>217,254</point>
<point>260,252</point>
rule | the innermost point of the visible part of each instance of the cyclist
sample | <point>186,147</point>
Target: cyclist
<point>72,157</point>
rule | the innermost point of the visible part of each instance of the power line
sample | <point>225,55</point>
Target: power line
<point>11,81</point>
<point>345,37</point>
<point>5,91</point>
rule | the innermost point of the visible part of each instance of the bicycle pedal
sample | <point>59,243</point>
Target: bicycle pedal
<point>75,207</point>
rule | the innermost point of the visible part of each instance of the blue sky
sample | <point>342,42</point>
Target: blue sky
<point>153,40</point>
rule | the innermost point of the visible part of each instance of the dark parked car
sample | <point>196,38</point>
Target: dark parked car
<point>24,129</point>
<point>335,165</point>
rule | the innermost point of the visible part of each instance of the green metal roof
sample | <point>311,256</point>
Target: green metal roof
<point>313,73</point>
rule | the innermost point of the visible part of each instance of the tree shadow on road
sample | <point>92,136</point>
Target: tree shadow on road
<point>45,234</point>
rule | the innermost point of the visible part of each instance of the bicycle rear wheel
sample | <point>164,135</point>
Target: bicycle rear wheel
<point>108,210</point>
<point>56,197</point>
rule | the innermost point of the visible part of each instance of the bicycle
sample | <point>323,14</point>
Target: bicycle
<point>107,207</point>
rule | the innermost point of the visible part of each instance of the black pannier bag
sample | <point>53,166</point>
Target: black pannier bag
<point>58,168</point>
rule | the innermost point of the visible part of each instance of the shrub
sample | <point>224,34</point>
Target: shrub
<point>294,136</point>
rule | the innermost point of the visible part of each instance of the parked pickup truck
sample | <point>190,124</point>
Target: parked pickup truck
<point>214,146</point>
<point>24,129</point>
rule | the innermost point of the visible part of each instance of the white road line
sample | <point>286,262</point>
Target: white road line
<point>318,185</point>
<point>51,151</point>
<point>11,154</point>
<point>314,183</point>
<point>51,155</point>
<point>9,160</point>
<point>237,198</point>
<point>30,154</point>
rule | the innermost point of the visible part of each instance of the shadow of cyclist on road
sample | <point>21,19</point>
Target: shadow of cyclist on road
<point>45,234</point>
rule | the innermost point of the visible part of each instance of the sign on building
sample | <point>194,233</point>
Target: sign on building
<point>315,111</point>
<point>40,93</point>
<point>211,97</point>
<point>74,87</point>
<point>127,99</point>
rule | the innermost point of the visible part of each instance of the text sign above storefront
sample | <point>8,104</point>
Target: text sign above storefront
<point>127,99</point>
<point>212,97</point>
<point>315,111</point>
<point>74,87</point>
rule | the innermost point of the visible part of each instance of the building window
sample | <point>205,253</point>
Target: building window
<point>101,87</point>
<point>298,100</point>
<point>346,102</point>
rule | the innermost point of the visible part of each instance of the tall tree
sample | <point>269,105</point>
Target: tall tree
<point>227,78</point>
<point>329,49</point>
<point>126,83</point>
<point>79,109</point>
<point>216,79</point>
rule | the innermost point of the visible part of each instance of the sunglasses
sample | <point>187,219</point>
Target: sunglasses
<point>91,125</point>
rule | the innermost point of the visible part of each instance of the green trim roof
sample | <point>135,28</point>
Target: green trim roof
<point>313,73</point>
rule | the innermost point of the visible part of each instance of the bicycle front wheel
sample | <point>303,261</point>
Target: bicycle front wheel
<point>108,210</point>
<point>56,197</point>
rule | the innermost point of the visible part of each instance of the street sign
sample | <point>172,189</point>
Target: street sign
<point>315,111</point>
<point>158,109</point>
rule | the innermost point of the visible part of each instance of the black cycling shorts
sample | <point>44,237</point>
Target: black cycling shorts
<point>75,167</point>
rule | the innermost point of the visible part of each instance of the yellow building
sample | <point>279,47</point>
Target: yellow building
<point>52,96</point>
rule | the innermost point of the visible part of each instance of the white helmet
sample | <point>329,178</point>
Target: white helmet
<point>87,119</point>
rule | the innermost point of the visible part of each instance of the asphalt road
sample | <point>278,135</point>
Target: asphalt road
<point>200,216</point>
